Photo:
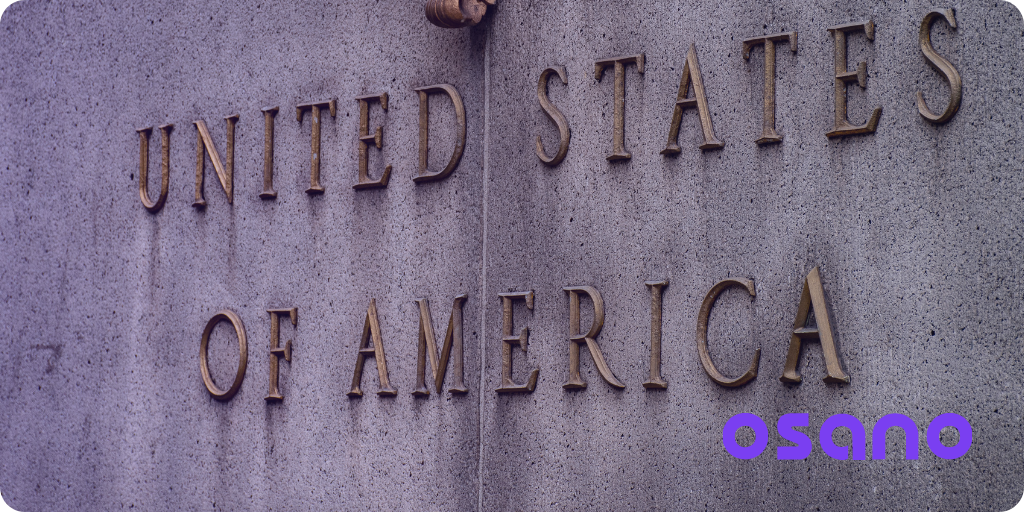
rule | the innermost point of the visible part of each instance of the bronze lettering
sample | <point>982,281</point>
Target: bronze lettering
<point>590,338</point>
<point>768,133</point>
<point>556,115</point>
<point>702,335</point>
<point>225,172</point>
<point>268,153</point>
<point>619,122</point>
<point>656,381</point>
<point>371,345</point>
<point>460,138</point>
<point>956,86</point>
<point>315,188</point>
<point>814,296</point>
<point>243,355</point>
<point>451,346</point>
<point>276,351</point>
<point>165,169</point>
<point>508,339</point>
<point>691,73</point>
<point>844,76</point>
<point>364,142</point>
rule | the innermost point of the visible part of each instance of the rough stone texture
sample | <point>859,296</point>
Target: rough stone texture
<point>916,230</point>
<point>104,404</point>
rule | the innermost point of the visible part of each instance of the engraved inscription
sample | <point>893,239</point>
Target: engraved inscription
<point>656,381</point>
<point>460,137</point>
<point>268,153</point>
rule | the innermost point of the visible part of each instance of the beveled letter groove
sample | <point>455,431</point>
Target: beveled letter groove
<point>656,381</point>
<point>956,86</point>
<point>813,296</point>
<point>268,153</point>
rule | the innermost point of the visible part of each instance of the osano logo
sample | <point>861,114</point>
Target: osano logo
<point>858,446</point>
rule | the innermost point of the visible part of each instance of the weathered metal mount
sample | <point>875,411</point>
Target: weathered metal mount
<point>456,13</point>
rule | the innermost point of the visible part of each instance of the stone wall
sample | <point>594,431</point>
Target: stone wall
<point>915,229</point>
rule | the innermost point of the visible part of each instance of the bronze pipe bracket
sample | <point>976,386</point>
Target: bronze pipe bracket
<point>456,13</point>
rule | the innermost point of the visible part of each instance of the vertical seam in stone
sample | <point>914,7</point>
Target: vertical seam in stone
<point>483,270</point>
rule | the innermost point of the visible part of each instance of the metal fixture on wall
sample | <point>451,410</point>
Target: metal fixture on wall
<point>456,13</point>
